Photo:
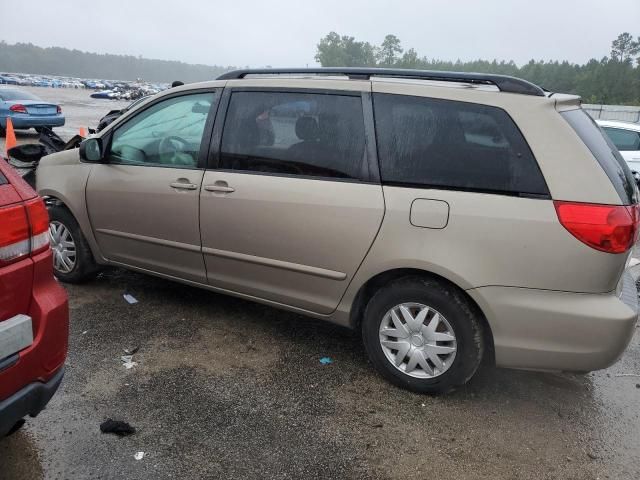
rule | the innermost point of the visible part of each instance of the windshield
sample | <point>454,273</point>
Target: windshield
<point>6,94</point>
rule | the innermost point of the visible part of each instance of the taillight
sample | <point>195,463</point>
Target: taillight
<point>25,230</point>
<point>608,228</point>
<point>58,109</point>
<point>39,221</point>
<point>18,108</point>
<point>14,234</point>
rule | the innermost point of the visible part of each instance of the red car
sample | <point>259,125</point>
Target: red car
<point>34,311</point>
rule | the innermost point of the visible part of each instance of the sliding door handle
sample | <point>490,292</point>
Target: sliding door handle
<point>183,186</point>
<point>219,188</point>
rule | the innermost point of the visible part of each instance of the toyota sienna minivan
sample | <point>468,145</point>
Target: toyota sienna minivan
<point>449,217</point>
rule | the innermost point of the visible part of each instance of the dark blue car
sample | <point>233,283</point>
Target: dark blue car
<point>27,111</point>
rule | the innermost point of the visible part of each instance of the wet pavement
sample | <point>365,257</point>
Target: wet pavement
<point>229,389</point>
<point>225,388</point>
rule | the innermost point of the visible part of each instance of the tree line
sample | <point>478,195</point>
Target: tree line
<point>29,58</point>
<point>613,79</point>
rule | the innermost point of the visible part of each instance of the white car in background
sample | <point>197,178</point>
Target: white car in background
<point>626,137</point>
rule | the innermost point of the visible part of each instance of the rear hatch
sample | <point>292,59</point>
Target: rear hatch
<point>15,278</point>
<point>24,232</point>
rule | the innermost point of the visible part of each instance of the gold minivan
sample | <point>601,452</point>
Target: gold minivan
<point>449,217</point>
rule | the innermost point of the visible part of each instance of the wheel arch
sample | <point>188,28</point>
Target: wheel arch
<point>52,198</point>
<point>368,289</point>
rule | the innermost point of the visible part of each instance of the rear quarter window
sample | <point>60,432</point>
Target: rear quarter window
<point>453,145</point>
<point>605,153</point>
<point>3,180</point>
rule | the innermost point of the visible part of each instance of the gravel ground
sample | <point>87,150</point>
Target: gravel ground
<point>230,389</point>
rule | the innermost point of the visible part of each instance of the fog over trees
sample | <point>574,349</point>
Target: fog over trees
<point>610,80</point>
<point>614,79</point>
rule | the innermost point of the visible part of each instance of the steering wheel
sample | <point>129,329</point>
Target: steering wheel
<point>170,149</point>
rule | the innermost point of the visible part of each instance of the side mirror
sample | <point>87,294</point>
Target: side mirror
<point>91,150</point>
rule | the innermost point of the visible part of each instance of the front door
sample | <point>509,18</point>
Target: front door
<point>143,202</point>
<point>291,213</point>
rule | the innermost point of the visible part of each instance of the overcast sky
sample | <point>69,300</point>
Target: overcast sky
<point>285,32</point>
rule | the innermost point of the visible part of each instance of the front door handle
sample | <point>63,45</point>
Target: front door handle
<point>220,187</point>
<point>183,186</point>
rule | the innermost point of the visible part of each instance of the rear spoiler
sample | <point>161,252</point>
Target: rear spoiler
<point>564,101</point>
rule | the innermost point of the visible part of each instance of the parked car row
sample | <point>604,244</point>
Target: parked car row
<point>123,89</point>
<point>410,211</point>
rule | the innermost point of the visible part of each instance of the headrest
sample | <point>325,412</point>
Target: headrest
<point>307,128</point>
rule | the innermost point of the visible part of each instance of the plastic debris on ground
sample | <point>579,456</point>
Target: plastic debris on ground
<point>122,429</point>
<point>326,361</point>
<point>130,298</point>
<point>127,361</point>
<point>139,455</point>
<point>131,351</point>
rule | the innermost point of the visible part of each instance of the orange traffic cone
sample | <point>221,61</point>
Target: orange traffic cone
<point>83,132</point>
<point>10,139</point>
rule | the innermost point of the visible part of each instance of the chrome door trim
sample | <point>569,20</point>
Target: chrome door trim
<point>269,262</point>
<point>155,241</point>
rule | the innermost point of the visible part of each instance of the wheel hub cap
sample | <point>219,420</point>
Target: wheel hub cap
<point>63,247</point>
<point>418,340</point>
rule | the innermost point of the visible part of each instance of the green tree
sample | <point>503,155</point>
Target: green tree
<point>624,47</point>
<point>389,51</point>
<point>343,51</point>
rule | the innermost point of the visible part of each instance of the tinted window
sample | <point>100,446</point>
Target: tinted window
<point>169,133</point>
<point>624,140</point>
<point>294,134</point>
<point>16,95</point>
<point>605,153</point>
<point>3,179</point>
<point>448,144</point>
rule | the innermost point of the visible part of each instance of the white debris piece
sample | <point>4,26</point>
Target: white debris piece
<point>130,298</point>
<point>127,361</point>
<point>139,455</point>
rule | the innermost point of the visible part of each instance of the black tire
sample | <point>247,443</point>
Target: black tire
<point>450,303</point>
<point>85,267</point>
<point>3,132</point>
<point>18,425</point>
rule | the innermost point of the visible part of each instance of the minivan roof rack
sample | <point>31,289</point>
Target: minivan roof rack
<point>503,82</point>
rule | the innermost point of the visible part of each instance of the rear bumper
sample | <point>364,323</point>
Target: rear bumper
<point>31,400</point>
<point>551,330</point>
<point>30,121</point>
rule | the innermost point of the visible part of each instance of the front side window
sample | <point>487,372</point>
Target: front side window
<point>450,144</point>
<point>302,134</point>
<point>624,140</point>
<point>168,134</point>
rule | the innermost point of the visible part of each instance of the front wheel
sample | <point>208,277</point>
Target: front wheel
<point>423,335</point>
<point>73,261</point>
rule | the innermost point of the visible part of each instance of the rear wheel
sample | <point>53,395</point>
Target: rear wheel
<point>423,335</point>
<point>3,132</point>
<point>73,261</point>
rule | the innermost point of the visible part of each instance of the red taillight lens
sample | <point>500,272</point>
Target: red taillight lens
<point>17,108</point>
<point>59,109</point>
<point>39,221</point>
<point>14,234</point>
<point>608,228</point>
<point>25,230</point>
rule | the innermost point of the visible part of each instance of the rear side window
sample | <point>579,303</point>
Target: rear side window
<point>605,153</point>
<point>3,180</point>
<point>449,144</point>
<point>300,134</point>
<point>624,140</point>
